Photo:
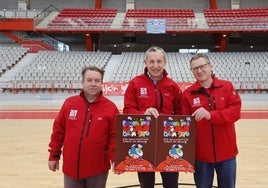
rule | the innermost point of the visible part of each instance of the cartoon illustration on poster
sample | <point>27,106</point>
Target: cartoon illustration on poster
<point>176,138</point>
<point>135,142</point>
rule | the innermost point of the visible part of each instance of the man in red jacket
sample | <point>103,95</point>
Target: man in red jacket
<point>153,93</point>
<point>216,107</point>
<point>85,128</point>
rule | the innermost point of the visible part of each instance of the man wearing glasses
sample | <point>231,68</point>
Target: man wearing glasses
<point>216,107</point>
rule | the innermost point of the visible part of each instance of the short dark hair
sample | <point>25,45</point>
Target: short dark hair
<point>200,55</point>
<point>92,68</point>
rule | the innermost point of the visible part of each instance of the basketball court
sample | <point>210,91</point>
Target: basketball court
<point>25,129</point>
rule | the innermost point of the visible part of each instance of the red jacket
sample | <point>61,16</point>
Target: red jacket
<point>215,139</point>
<point>87,131</point>
<point>142,93</point>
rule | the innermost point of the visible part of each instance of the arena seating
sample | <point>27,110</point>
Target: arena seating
<point>61,71</point>
<point>53,70</point>
<point>247,18</point>
<point>248,71</point>
<point>84,18</point>
<point>175,18</point>
<point>124,73</point>
<point>9,56</point>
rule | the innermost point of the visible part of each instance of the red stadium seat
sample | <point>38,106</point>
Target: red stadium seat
<point>175,18</point>
<point>84,18</point>
<point>237,18</point>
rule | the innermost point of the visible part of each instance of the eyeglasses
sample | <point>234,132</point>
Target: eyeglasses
<point>201,67</point>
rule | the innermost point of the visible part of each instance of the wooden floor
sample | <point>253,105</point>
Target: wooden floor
<point>24,144</point>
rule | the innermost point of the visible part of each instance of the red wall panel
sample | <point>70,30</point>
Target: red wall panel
<point>22,24</point>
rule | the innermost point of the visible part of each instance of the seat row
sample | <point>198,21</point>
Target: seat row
<point>75,18</point>
<point>9,56</point>
<point>90,18</point>
<point>85,10</point>
<point>245,69</point>
<point>242,12</point>
<point>249,18</point>
<point>87,17</point>
<point>37,86</point>
<point>174,18</point>
<point>231,66</point>
<point>81,22</point>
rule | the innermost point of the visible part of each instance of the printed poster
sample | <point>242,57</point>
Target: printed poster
<point>146,144</point>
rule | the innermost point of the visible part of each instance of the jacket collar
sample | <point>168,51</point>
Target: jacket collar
<point>164,74</point>
<point>198,89</point>
<point>82,94</point>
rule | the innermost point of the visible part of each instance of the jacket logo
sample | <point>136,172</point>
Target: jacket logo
<point>143,91</point>
<point>166,94</point>
<point>72,114</point>
<point>196,101</point>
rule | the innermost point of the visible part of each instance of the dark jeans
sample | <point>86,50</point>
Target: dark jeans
<point>169,179</point>
<point>98,181</point>
<point>225,171</point>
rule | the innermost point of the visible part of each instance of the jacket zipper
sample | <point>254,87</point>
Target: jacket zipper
<point>80,143</point>
<point>212,106</point>
<point>89,124</point>
<point>158,103</point>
